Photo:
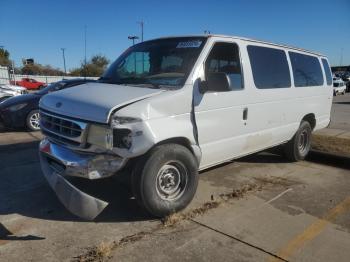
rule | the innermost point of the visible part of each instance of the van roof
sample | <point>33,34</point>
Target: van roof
<point>249,40</point>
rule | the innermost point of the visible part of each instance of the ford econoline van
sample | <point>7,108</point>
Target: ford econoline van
<point>169,107</point>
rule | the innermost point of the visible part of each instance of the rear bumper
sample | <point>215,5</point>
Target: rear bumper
<point>57,162</point>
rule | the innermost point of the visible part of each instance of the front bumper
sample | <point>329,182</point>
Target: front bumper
<point>57,161</point>
<point>87,165</point>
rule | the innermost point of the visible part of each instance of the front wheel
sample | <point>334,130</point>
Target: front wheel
<point>33,120</point>
<point>299,146</point>
<point>165,180</point>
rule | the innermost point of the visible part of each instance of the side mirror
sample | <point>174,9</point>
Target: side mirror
<point>216,82</point>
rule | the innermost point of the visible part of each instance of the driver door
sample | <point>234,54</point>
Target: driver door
<point>222,115</point>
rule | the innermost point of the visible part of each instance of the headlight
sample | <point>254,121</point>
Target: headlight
<point>16,107</point>
<point>101,136</point>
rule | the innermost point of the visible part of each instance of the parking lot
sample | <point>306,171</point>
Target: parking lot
<point>258,208</point>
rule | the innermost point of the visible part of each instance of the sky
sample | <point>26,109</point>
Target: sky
<point>39,29</point>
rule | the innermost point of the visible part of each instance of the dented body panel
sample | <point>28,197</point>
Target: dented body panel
<point>124,122</point>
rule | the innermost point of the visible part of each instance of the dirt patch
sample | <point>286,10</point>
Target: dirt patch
<point>331,145</point>
<point>280,181</point>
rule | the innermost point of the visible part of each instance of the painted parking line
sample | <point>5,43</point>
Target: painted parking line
<point>312,231</point>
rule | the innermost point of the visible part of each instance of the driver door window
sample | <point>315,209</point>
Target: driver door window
<point>224,58</point>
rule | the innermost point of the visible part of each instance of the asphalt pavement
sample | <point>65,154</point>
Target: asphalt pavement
<point>258,208</point>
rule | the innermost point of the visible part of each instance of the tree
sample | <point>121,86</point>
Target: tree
<point>4,57</point>
<point>94,67</point>
<point>38,69</point>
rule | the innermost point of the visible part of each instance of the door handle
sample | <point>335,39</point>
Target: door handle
<point>245,113</point>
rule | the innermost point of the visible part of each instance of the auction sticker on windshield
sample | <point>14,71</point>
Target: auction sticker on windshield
<point>189,44</point>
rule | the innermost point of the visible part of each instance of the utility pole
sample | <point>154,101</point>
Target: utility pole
<point>141,24</point>
<point>85,51</point>
<point>341,57</point>
<point>13,72</point>
<point>64,60</point>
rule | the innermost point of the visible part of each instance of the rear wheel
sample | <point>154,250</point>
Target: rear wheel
<point>33,120</point>
<point>299,146</point>
<point>165,180</point>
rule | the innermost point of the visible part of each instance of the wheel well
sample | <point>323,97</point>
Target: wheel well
<point>311,119</point>
<point>177,140</point>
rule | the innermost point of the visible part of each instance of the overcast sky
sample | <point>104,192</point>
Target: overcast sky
<point>38,29</point>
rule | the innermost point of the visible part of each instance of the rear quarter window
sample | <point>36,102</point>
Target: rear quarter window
<point>306,70</point>
<point>269,66</point>
<point>327,71</point>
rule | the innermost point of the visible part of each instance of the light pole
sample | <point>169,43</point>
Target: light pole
<point>64,60</point>
<point>133,38</point>
<point>143,64</point>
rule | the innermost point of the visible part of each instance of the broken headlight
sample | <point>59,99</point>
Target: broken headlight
<point>108,138</point>
<point>121,120</point>
<point>101,136</point>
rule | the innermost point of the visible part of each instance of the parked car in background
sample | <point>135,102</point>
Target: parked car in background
<point>7,91</point>
<point>22,111</point>
<point>339,86</point>
<point>346,79</point>
<point>4,96</point>
<point>29,83</point>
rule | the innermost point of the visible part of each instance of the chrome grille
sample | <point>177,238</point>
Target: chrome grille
<point>62,129</point>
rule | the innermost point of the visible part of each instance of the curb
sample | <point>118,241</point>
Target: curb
<point>332,142</point>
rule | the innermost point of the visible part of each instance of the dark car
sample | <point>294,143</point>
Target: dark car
<point>23,110</point>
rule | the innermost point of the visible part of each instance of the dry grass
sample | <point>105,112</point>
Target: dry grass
<point>175,218</point>
<point>103,251</point>
<point>331,145</point>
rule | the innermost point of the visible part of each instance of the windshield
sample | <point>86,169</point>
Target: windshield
<point>51,88</point>
<point>159,63</point>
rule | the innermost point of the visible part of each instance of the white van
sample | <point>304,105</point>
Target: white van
<point>169,107</point>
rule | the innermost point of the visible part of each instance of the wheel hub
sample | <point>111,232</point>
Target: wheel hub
<point>35,121</point>
<point>303,141</point>
<point>171,180</point>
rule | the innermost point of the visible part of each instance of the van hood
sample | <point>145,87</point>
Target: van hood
<point>94,101</point>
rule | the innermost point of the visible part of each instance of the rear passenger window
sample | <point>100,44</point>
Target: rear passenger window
<point>270,67</point>
<point>306,70</point>
<point>327,71</point>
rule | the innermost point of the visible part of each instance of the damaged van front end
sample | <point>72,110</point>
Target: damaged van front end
<point>93,130</point>
<point>86,149</point>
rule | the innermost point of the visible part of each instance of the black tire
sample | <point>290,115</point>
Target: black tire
<point>164,167</point>
<point>299,146</point>
<point>30,120</point>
